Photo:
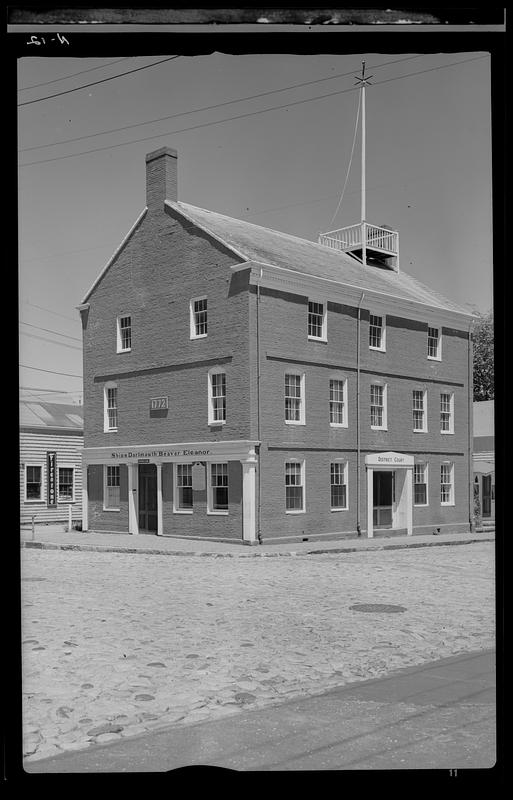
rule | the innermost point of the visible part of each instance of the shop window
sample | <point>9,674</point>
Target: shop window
<point>338,485</point>
<point>419,411</point>
<point>198,317</point>
<point>317,321</point>
<point>434,344</point>
<point>338,402</point>
<point>33,483</point>
<point>218,489</point>
<point>216,397</point>
<point>378,406</point>
<point>66,484</point>
<point>420,484</point>
<point>110,405</point>
<point>446,412</point>
<point>294,398</point>
<point>377,332</point>
<point>447,484</point>
<point>111,488</point>
<point>295,486</point>
<point>183,488</point>
<point>124,334</point>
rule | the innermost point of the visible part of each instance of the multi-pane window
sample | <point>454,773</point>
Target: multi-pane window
<point>316,320</point>
<point>420,484</point>
<point>112,488</point>
<point>294,486</point>
<point>198,317</point>
<point>377,405</point>
<point>217,399</point>
<point>446,484</point>
<point>337,402</point>
<point>124,333</point>
<point>66,483</point>
<point>33,485</point>
<point>419,410</point>
<point>294,408</point>
<point>219,487</point>
<point>376,332</point>
<point>446,412</point>
<point>338,484</point>
<point>111,408</point>
<point>433,343</point>
<point>183,499</point>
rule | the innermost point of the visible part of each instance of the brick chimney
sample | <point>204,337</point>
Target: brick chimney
<point>161,178</point>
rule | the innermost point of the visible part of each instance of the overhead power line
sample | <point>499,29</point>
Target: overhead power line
<point>95,83</point>
<point>248,114</point>
<point>33,305</point>
<point>73,75</point>
<point>51,371</point>
<point>52,341</point>
<point>210,108</point>
<point>48,330</point>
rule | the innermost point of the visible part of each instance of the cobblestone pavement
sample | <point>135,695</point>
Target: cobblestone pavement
<point>115,645</point>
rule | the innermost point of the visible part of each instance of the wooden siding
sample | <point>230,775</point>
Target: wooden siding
<point>34,446</point>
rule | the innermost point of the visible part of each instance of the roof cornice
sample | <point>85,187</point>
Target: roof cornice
<point>205,228</point>
<point>273,277</point>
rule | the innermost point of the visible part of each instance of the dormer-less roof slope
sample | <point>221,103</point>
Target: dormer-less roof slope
<point>35,414</point>
<point>279,249</point>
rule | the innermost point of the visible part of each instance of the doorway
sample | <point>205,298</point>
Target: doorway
<point>487,496</point>
<point>384,491</point>
<point>147,498</point>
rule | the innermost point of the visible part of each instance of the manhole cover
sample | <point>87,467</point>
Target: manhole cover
<point>377,607</point>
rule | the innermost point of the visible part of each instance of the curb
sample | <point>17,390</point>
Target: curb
<point>155,552</point>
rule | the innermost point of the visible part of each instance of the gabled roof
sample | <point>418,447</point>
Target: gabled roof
<point>35,414</point>
<point>255,243</point>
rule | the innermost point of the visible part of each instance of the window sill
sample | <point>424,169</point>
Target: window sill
<point>378,428</point>
<point>448,504</point>
<point>378,349</point>
<point>293,422</point>
<point>66,502</point>
<point>447,433</point>
<point>420,430</point>
<point>110,430</point>
<point>421,505</point>
<point>34,501</point>
<point>217,423</point>
<point>128,350</point>
<point>334,510</point>
<point>183,511</point>
<point>338,425</point>
<point>199,336</point>
<point>322,339</point>
<point>295,513</point>
<point>434,358</point>
<point>116,510</point>
<point>217,513</point>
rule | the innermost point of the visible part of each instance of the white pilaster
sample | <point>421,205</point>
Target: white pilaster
<point>133,521</point>
<point>160,525</point>
<point>85,499</point>
<point>409,501</point>
<point>249,501</point>
<point>370,502</point>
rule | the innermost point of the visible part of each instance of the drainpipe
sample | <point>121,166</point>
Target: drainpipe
<point>470,394</point>
<point>259,531</point>
<point>358,526</point>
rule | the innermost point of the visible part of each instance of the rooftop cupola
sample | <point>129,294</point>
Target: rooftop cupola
<point>371,245</point>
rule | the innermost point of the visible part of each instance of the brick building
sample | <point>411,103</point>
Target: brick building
<point>245,384</point>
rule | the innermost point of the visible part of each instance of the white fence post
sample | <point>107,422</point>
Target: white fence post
<point>33,518</point>
<point>69,518</point>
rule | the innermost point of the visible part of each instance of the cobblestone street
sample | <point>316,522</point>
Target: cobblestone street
<point>118,644</point>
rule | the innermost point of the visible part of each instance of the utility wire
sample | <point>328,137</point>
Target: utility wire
<point>350,161</point>
<point>95,83</point>
<point>248,114</point>
<point>66,77</point>
<point>51,371</point>
<point>47,330</point>
<point>33,305</point>
<point>52,341</point>
<point>210,108</point>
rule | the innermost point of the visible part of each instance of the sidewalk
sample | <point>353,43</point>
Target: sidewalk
<point>440,715</point>
<point>56,538</point>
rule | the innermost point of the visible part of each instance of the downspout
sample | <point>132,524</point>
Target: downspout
<point>259,530</point>
<point>358,526</point>
<point>470,426</point>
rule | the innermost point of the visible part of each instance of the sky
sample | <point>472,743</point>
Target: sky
<point>428,154</point>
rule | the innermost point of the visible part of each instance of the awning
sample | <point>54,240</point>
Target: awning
<point>484,467</point>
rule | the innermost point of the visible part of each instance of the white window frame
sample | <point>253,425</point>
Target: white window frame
<point>451,501</point>
<point>302,398</point>
<point>424,428</point>
<point>324,325</point>
<point>302,484</point>
<point>106,387</point>
<point>451,414</point>
<point>384,426</point>
<point>210,492</point>
<point>344,423</point>
<point>177,509</point>
<point>41,498</point>
<point>192,318</point>
<point>119,338</point>
<point>438,356</point>
<point>345,483</point>
<point>211,411</point>
<point>106,468</point>
<point>426,481</point>
<point>383,347</point>
<point>66,500</point>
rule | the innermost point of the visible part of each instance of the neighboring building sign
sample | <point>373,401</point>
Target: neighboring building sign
<point>51,468</point>
<point>159,403</point>
<point>198,477</point>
